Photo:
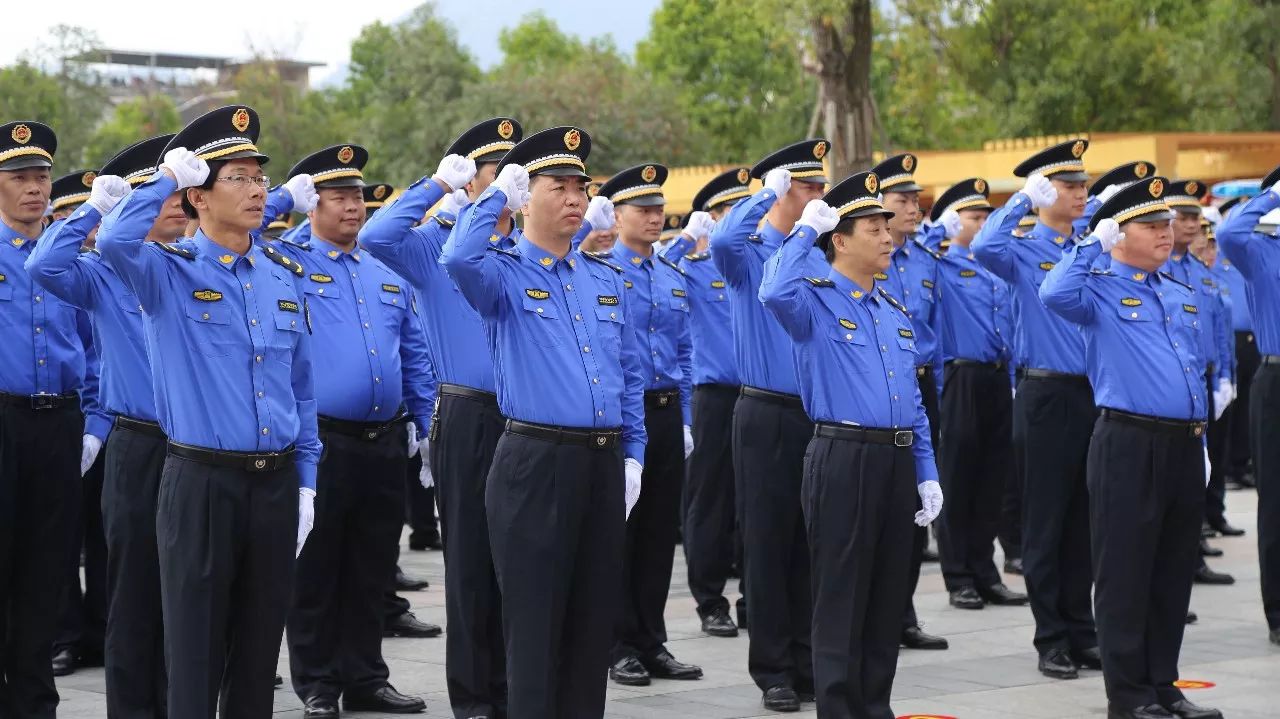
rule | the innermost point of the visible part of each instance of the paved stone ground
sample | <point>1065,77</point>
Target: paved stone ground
<point>989,672</point>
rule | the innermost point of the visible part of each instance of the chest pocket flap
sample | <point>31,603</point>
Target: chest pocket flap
<point>544,308</point>
<point>208,313</point>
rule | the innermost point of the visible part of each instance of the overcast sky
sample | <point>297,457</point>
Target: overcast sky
<point>314,30</point>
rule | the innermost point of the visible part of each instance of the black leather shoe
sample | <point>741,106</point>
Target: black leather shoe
<point>1275,636</point>
<point>406,583</point>
<point>781,699</point>
<point>1205,575</point>
<point>1090,658</point>
<point>1003,596</point>
<point>1208,550</point>
<point>1154,711</point>
<point>628,671</point>
<point>408,625</point>
<point>320,707</point>
<point>422,543</point>
<point>386,700</point>
<point>664,666</point>
<point>64,662</point>
<point>1192,617</point>
<point>718,624</point>
<point>1225,529</point>
<point>916,638</point>
<point>806,697</point>
<point>1013,566</point>
<point>1057,664</point>
<point>1186,710</point>
<point>967,598</point>
<point>279,680</point>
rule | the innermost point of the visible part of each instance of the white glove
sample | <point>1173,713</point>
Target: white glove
<point>931,499</point>
<point>600,213</point>
<point>1108,234</point>
<point>688,441</point>
<point>424,476</point>
<point>107,191</point>
<point>303,191</point>
<point>1108,192</point>
<point>454,202</point>
<point>89,448</point>
<point>950,222</point>
<point>1221,398</point>
<point>1208,466</point>
<point>455,171</point>
<point>413,439</point>
<point>699,225</point>
<point>778,180</point>
<point>1235,391</point>
<point>1275,188</point>
<point>513,181</point>
<point>306,515</point>
<point>186,168</point>
<point>632,471</point>
<point>820,216</point>
<point>1212,214</point>
<point>1041,191</point>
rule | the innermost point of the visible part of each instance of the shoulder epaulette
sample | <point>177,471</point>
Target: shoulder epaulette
<point>291,243</point>
<point>925,247</point>
<point>279,258</point>
<point>698,256</point>
<point>88,251</point>
<point>820,282</point>
<point>443,222</point>
<point>1176,281</point>
<point>1199,261</point>
<point>755,237</point>
<point>597,258</point>
<point>500,250</point>
<point>670,264</point>
<point>892,300</point>
<point>1099,271</point>
<point>175,250</point>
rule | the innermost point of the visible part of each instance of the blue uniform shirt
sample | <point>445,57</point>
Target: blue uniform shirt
<point>1257,257</point>
<point>228,336</point>
<point>855,350</point>
<point>658,306</point>
<point>976,317</point>
<point>711,327</point>
<point>1141,331</point>
<point>1214,348</point>
<point>912,279</point>
<point>97,420</point>
<point>1232,286</point>
<point>1041,339</point>
<point>366,329</point>
<point>562,345</point>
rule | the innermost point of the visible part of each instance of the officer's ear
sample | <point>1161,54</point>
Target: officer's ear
<point>191,199</point>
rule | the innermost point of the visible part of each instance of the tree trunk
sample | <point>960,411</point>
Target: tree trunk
<point>842,46</point>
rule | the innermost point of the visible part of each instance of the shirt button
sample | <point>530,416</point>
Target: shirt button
<point>655,379</point>
<point>373,352</point>
<point>890,373</point>
<point>39,298</point>
<point>260,394</point>
<point>883,348</point>
<point>599,413</point>
<point>902,269</point>
<point>366,325</point>
<point>41,363</point>
<point>652,329</point>
<point>1133,315</point>
<point>613,315</point>
<point>257,358</point>
<point>595,380</point>
<point>204,315</point>
<point>377,379</point>
<point>265,431</point>
<point>569,287</point>
<point>895,398</point>
<point>586,348</point>
<point>1167,319</point>
<point>848,336</point>
<point>720,297</point>
<point>248,285</point>
<point>539,310</point>
<point>360,301</point>
<point>39,330</point>
<point>375,408</point>
<point>253,322</point>
<point>320,291</point>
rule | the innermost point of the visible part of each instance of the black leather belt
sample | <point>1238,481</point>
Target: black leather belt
<point>1270,359</point>
<point>244,461</point>
<point>1181,428</point>
<point>1031,372</point>
<point>360,430</point>
<point>458,390</point>
<point>791,401</point>
<point>1210,369</point>
<point>593,438</point>
<point>41,401</point>
<point>868,435</point>
<point>961,362</point>
<point>921,370</point>
<point>661,398</point>
<point>718,387</point>
<point>141,426</point>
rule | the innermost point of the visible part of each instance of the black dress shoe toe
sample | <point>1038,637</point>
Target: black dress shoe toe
<point>1090,658</point>
<point>279,680</point>
<point>406,583</point>
<point>1186,710</point>
<point>1225,529</point>
<point>1208,550</point>
<point>664,666</point>
<point>1013,566</point>
<point>1275,636</point>
<point>64,662</point>
<point>386,700</point>
<point>1057,664</point>
<point>916,638</point>
<point>1192,617</point>
<point>967,598</point>
<point>408,625</point>
<point>781,699</point>
<point>1205,575</point>
<point>628,671</point>
<point>320,707</point>
<point>1154,711</point>
<point>1001,595</point>
<point>718,624</point>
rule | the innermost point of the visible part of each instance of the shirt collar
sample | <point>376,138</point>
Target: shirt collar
<point>13,238</point>
<point>332,251</point>
<point>771,236</point>
<point>904,249</point>
<point>1046,232</point>
<point>1135,274</point>
<point>629,258</point>
<point>850,288</point>
<point>221,256</point>
<point>540,257</point>
<point>955,251</point>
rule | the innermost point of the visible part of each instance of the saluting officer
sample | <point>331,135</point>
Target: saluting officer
<point>228,333</point>
<point>1257,257</point>
<point>468,422</point>
<point>711,502</point>
<point>1147,456</point>
<point>1237,463</point>
<point>870,455</point>
<point>566,472</point>
<point>375,363</point>
<point>1053,408</point>
<point>658,303</point>
<point>770,428</point>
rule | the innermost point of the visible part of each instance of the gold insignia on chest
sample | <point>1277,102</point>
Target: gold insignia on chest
<point>717,284</point>
<point>537,294</point>
<point>207,295</point>
<point>1130,301</point>
<point>1046,266</point>
<point>848,324</point>
<point>906,333</point>
<point>968,273</point>
<point>678,292</point>
<point>391,288</point>
<point>321,278</point>
<point>607,299</point>
<point>1192,309</point>
<point>287,305</point>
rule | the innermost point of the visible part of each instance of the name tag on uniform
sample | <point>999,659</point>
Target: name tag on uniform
<point>906,333</point>
<point>927,283</point>
<point>287,305</point>
<point>678,293</point>
<point>1207,281</point>
<point>881,276</point>
<point>1130,301</point>
<point>207,295</point>
<point>968,273</point>
<point>715,284</point>
<point>1191,308</point>
<point>321,278</point>
<point>1046,266</point>
<point>848,324</point>
<point>537,294</point>
<point>607,299</point>
<point>391,288</point>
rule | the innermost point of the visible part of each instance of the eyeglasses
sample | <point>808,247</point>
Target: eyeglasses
<point>244,182</point>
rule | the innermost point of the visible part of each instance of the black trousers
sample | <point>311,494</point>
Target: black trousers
<point>136,678</point>
<point>420,508</point>
<point>920,535</point>
<point>974,465</point>
<point>39,492</point>
<point>335,623</point>
<point>226,541</point>
<point>709,497</point>
<point>650,545</point>
<point>1146,499</point>
<point>858,505</point>
<point>464,436</point>
<point>1264,411</point>
<point>83,625</point>
<point>1216,436</point>
<point>769,442</point>
<point>1057,417</point>
<point>557,520</point>
<point>1240,447</point>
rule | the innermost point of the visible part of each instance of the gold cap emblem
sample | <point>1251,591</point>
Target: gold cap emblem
<point>1141,169</point>
<point>820,149</point>
<point>87,178</point>
<point>240,119</point>
<point>909,163</point>
<point>572,139</point>
<point>379,192</point>
<point>1077,149</point>
<point>744,175</point>
<point>21,134</point>
<point>980,186</point>
<point>648,173</point>
<point>346,154</point>
<point>673,222</point>
<point>1156,188</point>
<point>872,182</point>
<point>506,129</point>
<point>593,189</point>
<point>1193,188</point>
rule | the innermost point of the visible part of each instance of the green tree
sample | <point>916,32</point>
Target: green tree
<point>131,121</point>
<point>295,122</point>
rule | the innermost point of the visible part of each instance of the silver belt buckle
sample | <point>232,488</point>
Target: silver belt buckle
<point>903,438</point>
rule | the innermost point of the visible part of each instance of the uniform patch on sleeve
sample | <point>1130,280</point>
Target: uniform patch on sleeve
<point>607,299</point>
<point>207,295</point>
<point>537,294</point>
<point>1130,301</point>
<point>287,305</point>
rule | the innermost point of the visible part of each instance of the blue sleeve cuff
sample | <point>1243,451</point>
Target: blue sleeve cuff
<point>633,450</point>
<point>98,426</point>
<point>306,475</point>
